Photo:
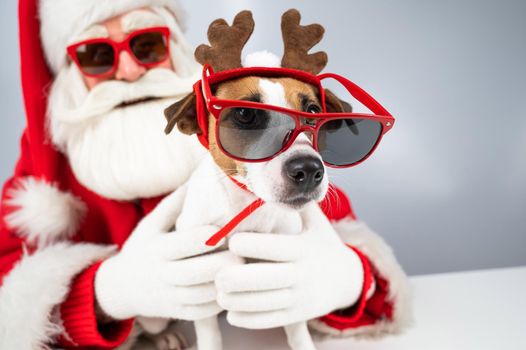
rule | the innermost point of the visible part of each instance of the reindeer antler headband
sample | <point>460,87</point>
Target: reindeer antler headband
<point>227,42</point>
<point>222,61</point>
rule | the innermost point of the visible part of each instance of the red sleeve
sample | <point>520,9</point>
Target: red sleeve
<point>365,311</point>
<point>79,319</point>
<point>78,310</point>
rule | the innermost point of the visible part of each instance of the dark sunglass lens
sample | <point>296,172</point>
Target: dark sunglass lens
<point>149,47</point>
<point>253,134</point>
<point>95,58</point>
<point>347,141</point>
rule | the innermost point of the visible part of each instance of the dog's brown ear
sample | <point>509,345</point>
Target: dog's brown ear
<point>183,113</point>
<point>334,104</point>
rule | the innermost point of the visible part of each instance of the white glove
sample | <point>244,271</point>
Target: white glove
<point>310,275</point>
<point>158,273</point>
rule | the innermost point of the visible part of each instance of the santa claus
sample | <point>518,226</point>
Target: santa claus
<point>84,248</point>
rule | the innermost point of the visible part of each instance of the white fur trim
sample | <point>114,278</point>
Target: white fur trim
<point>62,20</point>
<point>37,284</point>
<point>359,235</point>
<point>43,214</point>
<point>261,59</point>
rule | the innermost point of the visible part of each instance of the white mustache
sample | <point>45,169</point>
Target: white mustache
<point>104,97</point>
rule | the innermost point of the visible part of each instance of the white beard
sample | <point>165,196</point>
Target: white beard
<point>122,153</point>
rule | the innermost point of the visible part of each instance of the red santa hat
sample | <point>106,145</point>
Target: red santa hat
<point>63,20</point>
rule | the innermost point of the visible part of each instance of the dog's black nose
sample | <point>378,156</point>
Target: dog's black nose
<point>305,172</point>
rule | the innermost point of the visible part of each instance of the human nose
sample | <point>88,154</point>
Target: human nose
<point>128,69</point>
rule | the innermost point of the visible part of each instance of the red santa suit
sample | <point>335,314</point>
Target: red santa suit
<point>54,232</point>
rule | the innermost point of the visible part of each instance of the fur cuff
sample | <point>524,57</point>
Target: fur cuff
<point>42,214</point>
<point>360,236</point>
<point>35,286</point>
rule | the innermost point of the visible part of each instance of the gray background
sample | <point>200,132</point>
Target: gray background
<point>447,187</point>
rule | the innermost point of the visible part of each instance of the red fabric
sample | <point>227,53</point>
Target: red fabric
<point>336,205</point>
<point>79,319</point>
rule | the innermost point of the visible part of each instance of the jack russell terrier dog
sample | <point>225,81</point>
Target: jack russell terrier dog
<point>270,133</point>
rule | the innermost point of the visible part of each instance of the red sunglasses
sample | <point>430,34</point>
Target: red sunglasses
<point>256,132</point>
<point>100,57</point>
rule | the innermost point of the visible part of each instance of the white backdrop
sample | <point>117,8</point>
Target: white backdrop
<point>447,186</point>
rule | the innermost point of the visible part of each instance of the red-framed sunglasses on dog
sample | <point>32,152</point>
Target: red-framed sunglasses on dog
<point>250,131</point>
<point>99,57</point>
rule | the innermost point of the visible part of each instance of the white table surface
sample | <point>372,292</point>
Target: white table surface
<point>479,310</point>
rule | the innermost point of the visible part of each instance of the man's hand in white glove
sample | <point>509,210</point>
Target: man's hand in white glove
<point>162,274</point>
<point>308,275</point>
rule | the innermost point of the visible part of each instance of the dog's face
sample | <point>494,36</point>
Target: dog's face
<point>292,178</point>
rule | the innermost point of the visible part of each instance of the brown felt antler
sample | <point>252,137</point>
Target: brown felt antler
<point>226,42</point>
<point>298,40</point>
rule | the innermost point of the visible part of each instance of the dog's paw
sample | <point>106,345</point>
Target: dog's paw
<point>169,339</point>
<point>153,325</point>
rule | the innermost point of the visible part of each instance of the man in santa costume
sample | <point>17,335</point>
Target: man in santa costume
<point>94,165</point>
